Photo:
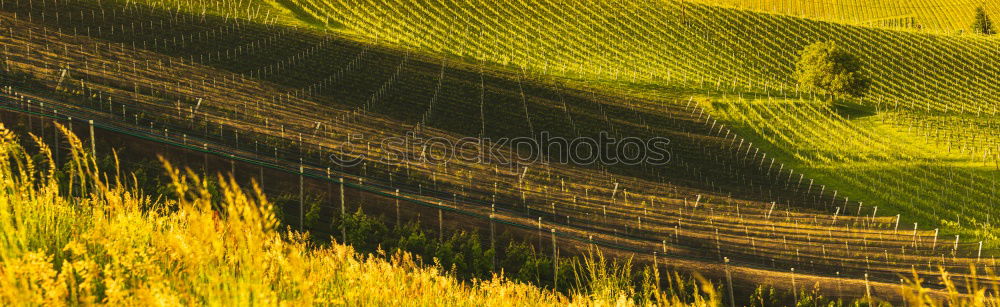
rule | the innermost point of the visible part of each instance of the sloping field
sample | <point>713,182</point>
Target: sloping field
<point>719,51</point>
<point>946,178</point>
<point>935,16</point>
<point>973,137</point>
<point>119,246</point>
<point>672,42</point>
<point>295,96</point>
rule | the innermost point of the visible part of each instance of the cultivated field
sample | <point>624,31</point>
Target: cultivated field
<point>931,16</point>
<point>791,190</point>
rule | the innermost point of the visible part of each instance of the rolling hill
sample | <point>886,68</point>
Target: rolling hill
<point>791,189</point>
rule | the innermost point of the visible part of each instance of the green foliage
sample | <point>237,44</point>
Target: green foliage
<point>314,203</point>
<point>522,264</point>
<point>412,239</point>
<point>364,233</point>
<point>826,69</point>
<point>983,24</point>
<point>464,255</point>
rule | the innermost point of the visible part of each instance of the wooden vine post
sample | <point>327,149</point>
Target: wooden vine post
<point>343,211</point>
<point>302,199</point>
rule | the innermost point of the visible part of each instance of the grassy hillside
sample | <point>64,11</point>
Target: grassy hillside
<point>117,245</point>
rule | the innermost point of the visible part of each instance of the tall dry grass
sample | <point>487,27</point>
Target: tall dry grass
<point>974,293</point>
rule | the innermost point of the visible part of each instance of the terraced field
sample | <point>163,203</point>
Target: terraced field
<point>761,173</point>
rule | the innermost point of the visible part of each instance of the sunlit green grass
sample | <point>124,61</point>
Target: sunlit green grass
<point>872,160</point>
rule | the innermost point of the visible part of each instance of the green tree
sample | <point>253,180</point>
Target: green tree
<point>826,69</point>
<point>983,24</point>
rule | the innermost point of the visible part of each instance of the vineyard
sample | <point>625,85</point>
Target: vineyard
<point>676,42</point>
<point>767,183</point>
<point>891,158</point>
<point>934,16</point>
